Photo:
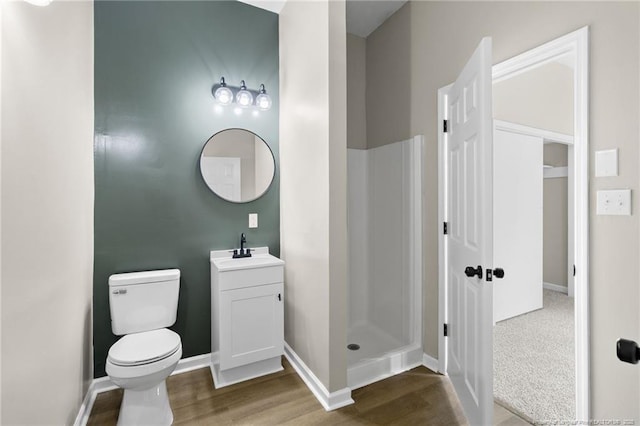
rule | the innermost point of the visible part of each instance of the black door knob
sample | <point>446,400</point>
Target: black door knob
<point>470,271</point>
<point>498,273</point>
<point>628,351</point>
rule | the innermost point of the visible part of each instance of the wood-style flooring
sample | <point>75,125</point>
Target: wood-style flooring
<point>415,397</point>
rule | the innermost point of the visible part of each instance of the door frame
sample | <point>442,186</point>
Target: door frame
<point>576,44</point>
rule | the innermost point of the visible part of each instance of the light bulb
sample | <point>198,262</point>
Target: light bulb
<point>223,94</point>
<point>244,98</point>
<point>263,101</point>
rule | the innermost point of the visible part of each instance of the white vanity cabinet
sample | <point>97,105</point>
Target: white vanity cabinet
<point>247,316</point>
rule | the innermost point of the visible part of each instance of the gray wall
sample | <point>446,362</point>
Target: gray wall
<point>541,98</point>
<point>156,63</point>
<point>47,210</point>
<point>356,92</point>
<point>389,90</point>
<point>313,55</point>
<point>422,48</point>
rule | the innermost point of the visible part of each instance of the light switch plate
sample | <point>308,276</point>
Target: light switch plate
<point>614,202</point>
<point>253,220</point>
<point>607,163</point>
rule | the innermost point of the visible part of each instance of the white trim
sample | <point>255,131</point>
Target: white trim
<point>581,225</point>
<point>192,363</point>
<point>538,56</point>
<point>443,203</point>
<point>329,401</point>
<point>87,404</point>
<point>574,46</point>
<point>547,135</point>
<point>104,384</point>
<point>242,373</point>
<point>555,172</point>
<point>431,363</point>
<point>555,287</point>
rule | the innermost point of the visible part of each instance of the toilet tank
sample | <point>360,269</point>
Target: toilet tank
<point>143,301</point>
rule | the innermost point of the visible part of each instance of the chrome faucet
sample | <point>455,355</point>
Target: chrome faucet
<point>242,252</point>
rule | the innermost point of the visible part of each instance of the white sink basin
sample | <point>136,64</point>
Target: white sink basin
<point>257,260</point>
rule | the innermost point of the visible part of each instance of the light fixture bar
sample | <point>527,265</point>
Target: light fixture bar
<point>241,96</point>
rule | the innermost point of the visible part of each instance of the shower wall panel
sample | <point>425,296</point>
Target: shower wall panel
<point>379,238</point>
<point>357,225</point>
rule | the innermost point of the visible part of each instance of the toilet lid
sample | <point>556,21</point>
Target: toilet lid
<point>145,347</point>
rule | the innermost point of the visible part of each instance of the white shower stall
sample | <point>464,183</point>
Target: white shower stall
<point>385,201</point>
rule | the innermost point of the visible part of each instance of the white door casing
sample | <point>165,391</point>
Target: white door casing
<point>576,44</point>
<point>468,182</point>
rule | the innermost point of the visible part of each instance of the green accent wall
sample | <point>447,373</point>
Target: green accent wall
<point>155,66</point>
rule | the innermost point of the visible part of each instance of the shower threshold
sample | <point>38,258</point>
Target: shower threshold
<point>373,369</point>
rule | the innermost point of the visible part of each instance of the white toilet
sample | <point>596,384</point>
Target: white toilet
<point>142,304</point>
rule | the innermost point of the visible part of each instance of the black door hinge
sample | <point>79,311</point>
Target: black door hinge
<point>445,126</point>
<point>574,270</point>
<point>446,330</point>
<point>445,228</point>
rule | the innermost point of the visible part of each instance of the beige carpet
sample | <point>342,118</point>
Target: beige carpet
<point>533,362</point>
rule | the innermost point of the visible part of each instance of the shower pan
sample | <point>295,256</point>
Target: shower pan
<point>385,261</point>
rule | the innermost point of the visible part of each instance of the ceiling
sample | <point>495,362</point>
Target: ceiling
<point>363,16</point>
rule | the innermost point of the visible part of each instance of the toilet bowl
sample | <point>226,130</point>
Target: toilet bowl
<point>142,305</point>
<point>139,363</point>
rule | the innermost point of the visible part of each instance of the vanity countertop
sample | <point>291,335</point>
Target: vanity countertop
<point>260,257</point>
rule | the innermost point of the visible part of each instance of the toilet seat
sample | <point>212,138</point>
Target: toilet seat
<point>144,348</point>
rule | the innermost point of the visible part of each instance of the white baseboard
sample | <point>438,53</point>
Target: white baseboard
<point>430,362</point>
<point>330,401</point>
<point>192,363</point>
<point>85,408</point>
<point>556,287</point>
<point>103,384</point>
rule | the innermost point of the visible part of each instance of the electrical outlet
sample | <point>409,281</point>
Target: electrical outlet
<point>253,220</point>
<point>614,202</point>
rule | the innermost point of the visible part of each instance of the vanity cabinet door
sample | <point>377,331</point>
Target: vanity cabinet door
<point>251,325</point>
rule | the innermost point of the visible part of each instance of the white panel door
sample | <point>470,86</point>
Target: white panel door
<point>222,174</point>
<point>517,223</point>
<point>469,213</point>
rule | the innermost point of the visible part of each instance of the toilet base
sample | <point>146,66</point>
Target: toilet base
<point>146,407</point>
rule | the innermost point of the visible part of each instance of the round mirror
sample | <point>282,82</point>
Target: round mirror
<point>237,165</point>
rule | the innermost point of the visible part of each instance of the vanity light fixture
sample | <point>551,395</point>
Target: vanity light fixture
<point>243,97</point>
<point>223,94</point>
